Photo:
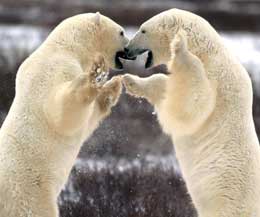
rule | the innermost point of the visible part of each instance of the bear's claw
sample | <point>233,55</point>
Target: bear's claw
<point>98,72</point>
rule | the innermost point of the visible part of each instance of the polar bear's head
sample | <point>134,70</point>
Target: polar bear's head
<point>156,35</point>
<point>88,35</point>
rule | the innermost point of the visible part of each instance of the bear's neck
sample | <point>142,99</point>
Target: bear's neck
<point>76,52</point>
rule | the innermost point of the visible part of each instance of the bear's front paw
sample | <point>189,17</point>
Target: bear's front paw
<point>109,94</point>
<point>131,85</point>
<point>179,43</point>
<point>98,72</point>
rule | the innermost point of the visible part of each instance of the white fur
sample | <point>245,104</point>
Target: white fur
<point>206,107</point>
<point>58,104</point>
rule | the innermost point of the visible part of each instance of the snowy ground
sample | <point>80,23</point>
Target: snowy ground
<point>150,186</point>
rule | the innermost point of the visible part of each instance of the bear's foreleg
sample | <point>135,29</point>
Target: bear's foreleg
<point>152,88</point>
<point>68,105</point>
<point>106,99</point>
<point>191,95</point>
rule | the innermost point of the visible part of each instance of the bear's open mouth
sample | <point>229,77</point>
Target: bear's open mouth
<point>120,54</point>
<point>149,61</point>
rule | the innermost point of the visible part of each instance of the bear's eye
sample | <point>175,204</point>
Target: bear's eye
<point>122,33</point>
<point>143,31</point>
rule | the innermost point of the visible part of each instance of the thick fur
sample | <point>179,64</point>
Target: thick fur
<point>206,107</point>
<point>61,97</point>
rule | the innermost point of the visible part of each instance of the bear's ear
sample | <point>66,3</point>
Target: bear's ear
<point>96,19</point>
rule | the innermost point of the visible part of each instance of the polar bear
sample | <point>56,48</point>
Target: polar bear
<point>205,104</point>
<point>61,97</point>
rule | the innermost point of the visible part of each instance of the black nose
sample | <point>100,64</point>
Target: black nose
<point>129,53</point>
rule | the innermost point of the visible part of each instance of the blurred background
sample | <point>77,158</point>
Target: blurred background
<point>128,167</point>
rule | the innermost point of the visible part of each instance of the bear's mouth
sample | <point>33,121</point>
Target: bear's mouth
<point>132,54</point>
<point>144,70</point>
<point>149,61</point>
<point>120,54</point>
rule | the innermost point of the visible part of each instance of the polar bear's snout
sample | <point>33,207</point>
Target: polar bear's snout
<point>132,53</point>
